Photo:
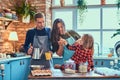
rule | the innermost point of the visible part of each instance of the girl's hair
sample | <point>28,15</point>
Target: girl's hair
<point>88,41</point>
<point>55,34</point>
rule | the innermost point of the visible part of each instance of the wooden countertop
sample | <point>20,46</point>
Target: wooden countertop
<point>57,74</point>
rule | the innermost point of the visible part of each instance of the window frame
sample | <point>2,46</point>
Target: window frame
<point>101,30</point>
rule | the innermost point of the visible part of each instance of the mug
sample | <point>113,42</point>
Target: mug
<point>48,55</point>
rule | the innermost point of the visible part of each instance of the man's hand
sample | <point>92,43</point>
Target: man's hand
<point>30,50</point>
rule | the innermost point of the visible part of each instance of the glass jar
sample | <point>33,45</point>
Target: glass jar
<point>83,67</point>
<point>69,64</point>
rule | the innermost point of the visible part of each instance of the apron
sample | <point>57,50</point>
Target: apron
<point>42,43</point>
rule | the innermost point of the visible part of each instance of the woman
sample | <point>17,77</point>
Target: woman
<point>58,30</point>
<point>58,38</point>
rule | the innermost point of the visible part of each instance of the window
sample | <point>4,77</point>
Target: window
<point>91,19</point>
<point>66,15</point>
<point>110,18</point>
<point>99,21</point>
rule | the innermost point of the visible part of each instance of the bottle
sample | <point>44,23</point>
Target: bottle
<point>116,64</point>
<point>111,64</point>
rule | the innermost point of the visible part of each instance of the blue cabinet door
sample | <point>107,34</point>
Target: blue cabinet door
<point>6,71</point>
<point>0,75</point>
<point>20,69</point>
<point>102,62</point>
<point>26,68</point>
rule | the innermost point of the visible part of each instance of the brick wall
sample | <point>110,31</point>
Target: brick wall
<point>21,28</point>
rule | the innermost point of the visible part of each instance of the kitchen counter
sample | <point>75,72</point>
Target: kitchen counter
<point>57,74</point>
<point>2,60</point>
<point>107,58</point>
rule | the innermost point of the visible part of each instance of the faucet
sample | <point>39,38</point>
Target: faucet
<point>97,48</point>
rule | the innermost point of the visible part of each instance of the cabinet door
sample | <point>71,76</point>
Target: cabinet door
<point>102,62</point>
<point>6,72</point>
<point>0,75</point>
<point>19,69</point>
<point>26,68</point>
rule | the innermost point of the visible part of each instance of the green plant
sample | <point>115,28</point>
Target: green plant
<point>82,7</point>
<point>118,30</point>
<point>117,33</point>
<point>24,8</point>
<point>118,4</point>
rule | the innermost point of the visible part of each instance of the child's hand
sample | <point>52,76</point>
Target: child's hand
<point>79,41</point>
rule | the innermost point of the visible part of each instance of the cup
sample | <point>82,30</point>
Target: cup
<point>1,55</point>
<point>48,55</point>
<point>8,56</point>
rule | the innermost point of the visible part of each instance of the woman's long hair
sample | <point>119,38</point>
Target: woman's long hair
<point>55,34</point>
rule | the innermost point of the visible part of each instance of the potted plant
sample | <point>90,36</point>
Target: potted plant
<point>118,4</point>
<point>118,13</point>
<point>24,9</point>
<point>82,7</point>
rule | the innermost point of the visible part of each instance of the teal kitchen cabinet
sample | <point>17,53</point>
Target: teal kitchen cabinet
<point>105,62</point>
<point>102,62</point>
<point>5,74</point>
<point>20,69</point>
<point>98,61</point>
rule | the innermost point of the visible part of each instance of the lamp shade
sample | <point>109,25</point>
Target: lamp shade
<point>13,36</point>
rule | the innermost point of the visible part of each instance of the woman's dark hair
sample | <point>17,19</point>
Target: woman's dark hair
<point>55,34</point>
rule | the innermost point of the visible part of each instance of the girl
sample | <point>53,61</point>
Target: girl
<point>83,51</point>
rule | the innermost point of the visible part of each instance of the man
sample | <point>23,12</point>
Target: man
<point>38,37</point>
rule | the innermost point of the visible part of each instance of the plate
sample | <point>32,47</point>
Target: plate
<point>117,48</point>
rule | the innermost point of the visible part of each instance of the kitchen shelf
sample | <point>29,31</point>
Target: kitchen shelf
<point>6,21</point>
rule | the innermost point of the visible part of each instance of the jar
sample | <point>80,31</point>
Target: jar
<point>69,64</point>
<point>83,67</point>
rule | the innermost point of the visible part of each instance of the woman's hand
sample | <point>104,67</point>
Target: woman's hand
<point>62,42</point>
<point>30,50</point>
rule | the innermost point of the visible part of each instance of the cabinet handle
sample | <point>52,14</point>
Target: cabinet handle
<point>96,63</point>
<point>8,63</point>
<point>102,63</point>
<point>20,62</point>
<point>2,74</point>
